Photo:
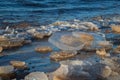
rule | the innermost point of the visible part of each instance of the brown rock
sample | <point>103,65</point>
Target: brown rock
<point>18,64</point>
<point>11,43</point>
<point>6,72</point>
<point>102,53</point>
<point>62,55</point>
<point>115,28</point>
<point>6,69</point>
<point>43,49</point>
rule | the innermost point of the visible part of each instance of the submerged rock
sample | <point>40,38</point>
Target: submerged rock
<point>43,49</point>
<point>62,55</point>
<point>113,37</point>
<point>7,72</point>
<point>41,64</point>
<point>36,76</point>
<point>115,28</point>
<point>6,69</point>
<point>10,43</point>
<point>18,64</point>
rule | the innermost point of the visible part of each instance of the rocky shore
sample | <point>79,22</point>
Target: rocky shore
<point>84,50</point>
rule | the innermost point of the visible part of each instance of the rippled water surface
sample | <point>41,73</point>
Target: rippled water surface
<point>47,11</point>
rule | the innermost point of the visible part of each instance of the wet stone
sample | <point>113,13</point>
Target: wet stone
<point>62,55</point>
<point>43,49</point>
<point>18,64</point>
<point>6,72</point>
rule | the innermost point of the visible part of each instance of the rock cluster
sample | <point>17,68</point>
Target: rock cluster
<point>86,70</point>
<point>80,40</point>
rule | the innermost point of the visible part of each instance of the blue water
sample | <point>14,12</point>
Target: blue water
<point>47,11</point>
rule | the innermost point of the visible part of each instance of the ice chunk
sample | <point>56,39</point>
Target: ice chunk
<point>79,40</point>
<point>97,40</point>
<point>65,41</point>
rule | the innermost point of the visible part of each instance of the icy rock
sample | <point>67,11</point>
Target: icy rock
<point>94,36</point>
<point>90,26</point>
<point>116,19</point>
<point>38,33</point>
<point>99,71</point>
<point>71,72</point>
<point>36,76</point>
<point>66,43</point>
<point>77,25</point>
<point>6,69</point>
<point>79,40</point>
<point>31,30</point>
<point>25,36</point>
<point>93,40</point>
<point>106,71</point>
<point>61,23</point>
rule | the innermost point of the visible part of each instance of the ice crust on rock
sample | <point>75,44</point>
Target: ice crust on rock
<point>55,39</point>
<point>73,41</point>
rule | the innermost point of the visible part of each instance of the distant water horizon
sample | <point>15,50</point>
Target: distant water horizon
<point>46,11</point>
